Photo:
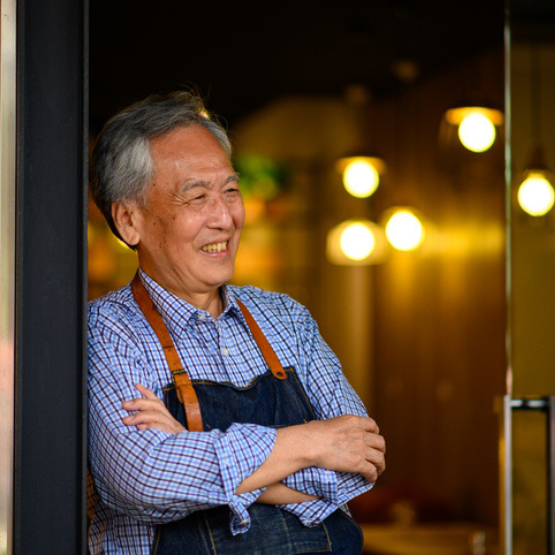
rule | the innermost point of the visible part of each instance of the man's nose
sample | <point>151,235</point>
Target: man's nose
<point>220,214</point>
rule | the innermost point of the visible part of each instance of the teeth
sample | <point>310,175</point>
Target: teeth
<point>215,247</point>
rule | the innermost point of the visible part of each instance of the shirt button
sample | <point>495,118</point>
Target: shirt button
<point>202,316</point>
<point>225,352</point>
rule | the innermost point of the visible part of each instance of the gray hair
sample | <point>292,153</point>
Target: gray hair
<point>122,165</point>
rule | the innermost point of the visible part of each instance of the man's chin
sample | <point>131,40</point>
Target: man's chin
<point>217,279</point>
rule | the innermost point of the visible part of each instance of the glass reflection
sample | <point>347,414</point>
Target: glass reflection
<point>531,255</point>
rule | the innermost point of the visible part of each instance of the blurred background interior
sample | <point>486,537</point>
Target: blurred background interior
<point>439,300</point>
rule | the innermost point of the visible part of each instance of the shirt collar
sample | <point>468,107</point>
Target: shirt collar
<point>178,313</point>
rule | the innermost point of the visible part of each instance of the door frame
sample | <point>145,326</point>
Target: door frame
<point>49,513</point>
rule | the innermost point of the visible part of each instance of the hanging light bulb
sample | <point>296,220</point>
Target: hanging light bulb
<point>361,174</point>
<point>535,194</point>
<point>356,242</point>
<point>476,126</point>
<point>477,132</point>
<point>403,229</point>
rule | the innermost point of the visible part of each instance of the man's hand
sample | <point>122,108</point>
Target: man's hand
<point>152,413</point>
<point>345,443</point>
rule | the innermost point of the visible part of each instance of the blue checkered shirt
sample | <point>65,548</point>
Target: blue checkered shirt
<point>144,478</point>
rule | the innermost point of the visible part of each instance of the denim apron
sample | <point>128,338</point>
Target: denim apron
<point>268,401</point>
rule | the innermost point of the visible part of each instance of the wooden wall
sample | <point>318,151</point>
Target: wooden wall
<point>440,313</point>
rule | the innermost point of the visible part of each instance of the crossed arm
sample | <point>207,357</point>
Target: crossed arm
<point>345,443</point>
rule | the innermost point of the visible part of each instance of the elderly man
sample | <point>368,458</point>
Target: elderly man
<point>246,437</point>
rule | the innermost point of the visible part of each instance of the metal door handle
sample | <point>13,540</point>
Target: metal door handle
<point>510,404</point>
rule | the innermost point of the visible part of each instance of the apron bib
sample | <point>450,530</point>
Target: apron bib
<point>269,402</point>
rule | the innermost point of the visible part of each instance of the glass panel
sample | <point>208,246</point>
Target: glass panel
<point>529,483</point>
<point>7,268</point>
<point>533,237</point>
<point>531,256</point>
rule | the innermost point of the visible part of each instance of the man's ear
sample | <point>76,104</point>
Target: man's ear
<point>126,219</point>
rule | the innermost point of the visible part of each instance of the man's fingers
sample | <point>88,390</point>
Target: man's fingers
<point>150,412</point>
<point>157,419</point>
<point>377,459</point>
<point>369,425</point>
<point>143,417</point>
<point>375,441</point>
<point>143,404</point>
<point>145,392</point>
<point>372,472</point>
<point>376,452</point>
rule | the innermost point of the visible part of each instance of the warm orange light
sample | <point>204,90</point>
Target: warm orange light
<point>356,242</point>
<point>404,230</point>
<point>361,174</point>
<point>476,126</point>
<point>477,133</point>
<point>535,194</point>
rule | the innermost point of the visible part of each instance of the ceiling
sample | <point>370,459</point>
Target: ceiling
<point>243,55</point>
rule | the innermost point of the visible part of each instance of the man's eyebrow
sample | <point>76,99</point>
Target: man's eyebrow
<point>188,185</point>
<point>233,177</point>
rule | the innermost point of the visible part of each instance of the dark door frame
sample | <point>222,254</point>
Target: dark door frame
<point>51,276</point>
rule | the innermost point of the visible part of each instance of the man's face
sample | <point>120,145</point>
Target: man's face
<point>190,225</point>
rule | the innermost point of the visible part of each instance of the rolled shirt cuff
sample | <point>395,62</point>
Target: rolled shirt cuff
<point>240,451</point>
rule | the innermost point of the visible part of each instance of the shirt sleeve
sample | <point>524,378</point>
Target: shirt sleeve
<point>150,475</point>
<point>330,395</point>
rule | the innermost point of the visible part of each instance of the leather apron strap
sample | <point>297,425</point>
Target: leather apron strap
<point>184,387</point>
<point>267,352</point>
<point>185,390</point>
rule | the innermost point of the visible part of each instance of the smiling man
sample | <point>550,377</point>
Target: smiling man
<point>246,437</point>
<point>187,230</point>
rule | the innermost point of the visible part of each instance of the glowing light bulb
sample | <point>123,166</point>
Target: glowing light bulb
<point>535,195</point>
<point>361,178</point>
<point>477,132</point>
<point>404,231</point>
<point>357,241</point>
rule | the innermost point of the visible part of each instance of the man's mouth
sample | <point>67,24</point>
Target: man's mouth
<point>215,247</point>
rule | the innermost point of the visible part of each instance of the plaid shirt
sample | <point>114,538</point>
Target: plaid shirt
<point>148,477</point>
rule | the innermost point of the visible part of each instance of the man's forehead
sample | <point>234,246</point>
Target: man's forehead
<point>189,147</point>
<point>194,139</point>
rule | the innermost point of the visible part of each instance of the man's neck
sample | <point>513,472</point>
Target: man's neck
<point>210,301</point>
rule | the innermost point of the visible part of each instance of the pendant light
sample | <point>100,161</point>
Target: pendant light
<point>536,195</point>
<point>361,169</point>
<point>356,242</point>
<point>476,125</point>
<point>361,172</point>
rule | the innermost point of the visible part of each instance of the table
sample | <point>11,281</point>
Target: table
<point>451,538</point>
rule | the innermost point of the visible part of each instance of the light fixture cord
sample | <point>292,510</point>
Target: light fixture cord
<point>535,96</point>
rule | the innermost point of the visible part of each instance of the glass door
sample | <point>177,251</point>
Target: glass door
<point>528,430</point>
